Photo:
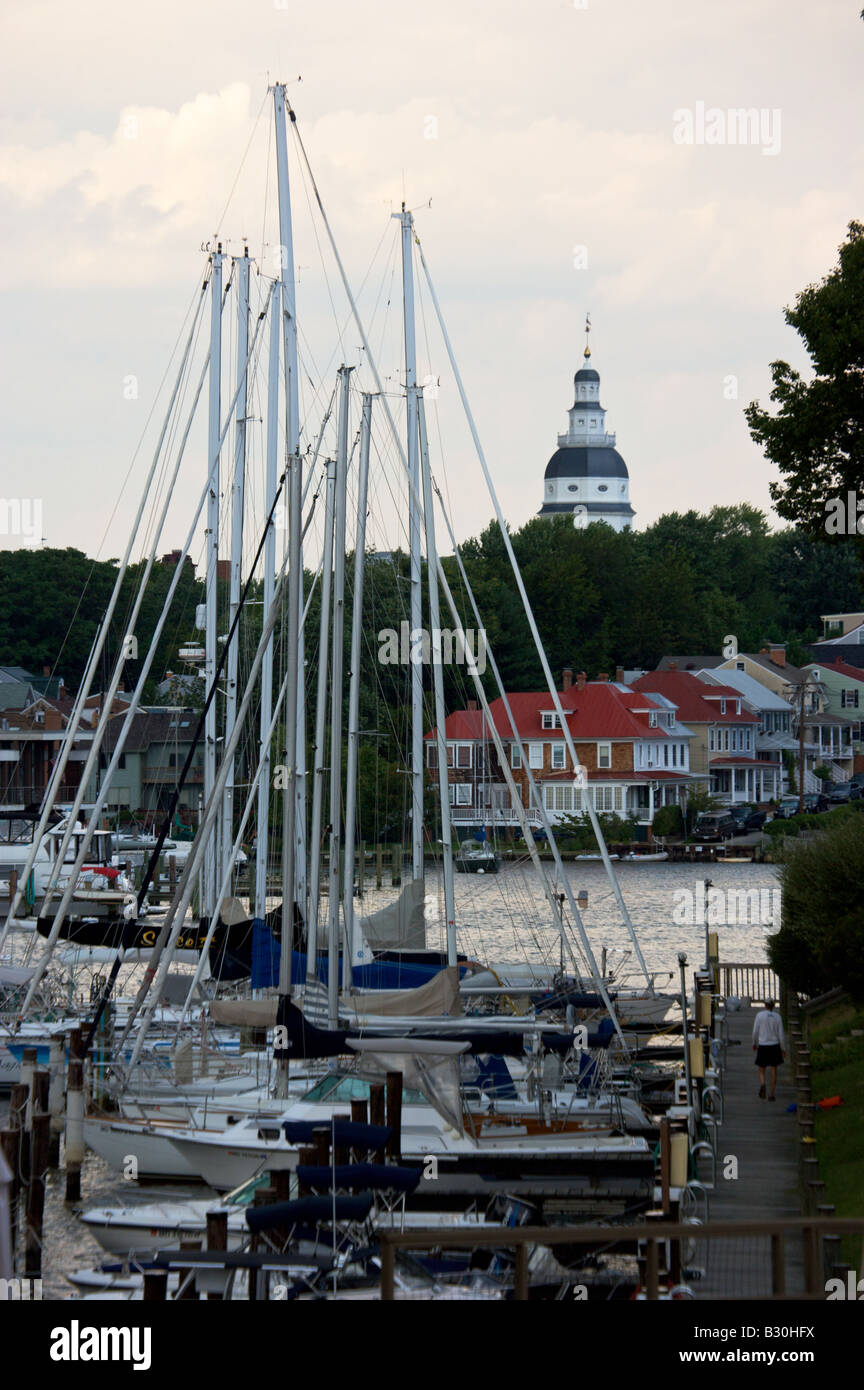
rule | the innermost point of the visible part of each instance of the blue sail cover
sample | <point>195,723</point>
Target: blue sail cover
<point>310,1210</point>
<point>390,973</point>
<point>359,1177</point>
<point>346,1134</point>
<point>265,955</point>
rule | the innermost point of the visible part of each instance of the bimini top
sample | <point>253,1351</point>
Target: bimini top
<point>585,462</point>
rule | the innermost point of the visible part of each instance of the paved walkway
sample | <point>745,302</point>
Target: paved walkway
<point>763,1137</point>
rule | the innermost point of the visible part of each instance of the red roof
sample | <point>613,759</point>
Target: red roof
<point>599,710</point>
<point>696,702</point>
<point>841,669</point>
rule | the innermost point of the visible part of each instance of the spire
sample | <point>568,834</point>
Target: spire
<point>587,352</point>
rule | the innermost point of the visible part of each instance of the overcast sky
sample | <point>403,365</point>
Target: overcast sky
<point>549,139</point>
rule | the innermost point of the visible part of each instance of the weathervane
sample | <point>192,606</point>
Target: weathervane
<point>587,335</point>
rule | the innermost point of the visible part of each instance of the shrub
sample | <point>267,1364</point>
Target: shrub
<point>668,820</point>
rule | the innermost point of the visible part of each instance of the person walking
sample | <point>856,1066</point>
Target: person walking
<point>769,1044</point>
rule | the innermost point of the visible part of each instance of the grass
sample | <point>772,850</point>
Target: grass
<point>837,1068</point>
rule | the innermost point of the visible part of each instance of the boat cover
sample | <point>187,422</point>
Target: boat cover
<point>360,1177</point>
<point>308,1209</point>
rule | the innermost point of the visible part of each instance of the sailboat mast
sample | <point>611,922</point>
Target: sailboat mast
<point>336,668</point>
<point>320,725</point>
<point>263,809</point>
<point>295,502</point>
<point>438,685</point>
<point>407,222</point>
<point>354,691</point>
<point>238,489</point>
<point>211,655</point>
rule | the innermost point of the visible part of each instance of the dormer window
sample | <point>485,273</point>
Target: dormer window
<point>652,719</point>
<point>722,706</point>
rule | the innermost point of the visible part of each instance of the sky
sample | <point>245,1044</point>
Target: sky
<point>560,159</point>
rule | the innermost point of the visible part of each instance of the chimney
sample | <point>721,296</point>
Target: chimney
<point>580,680</point>
<point>566,678</point>
<point>619,675</point>
<point>777,653</point>
<point>673,666</point>
<point>603,676</point>
<point>472,704</point>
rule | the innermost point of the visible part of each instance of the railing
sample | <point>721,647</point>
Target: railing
<point>171,774</point>
<point>748,981</point>
<point>657,1279</point>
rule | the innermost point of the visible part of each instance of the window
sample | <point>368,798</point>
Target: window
<point>722,706</point>
<point>652,719</point>
<point>559,761</point>
<point>711,740</point>
<point>604,755</point>
<point>515,755</point>
<point>463,755</point>
<point>432,755</point>
<point>535,755</point>
<point>849,699</point>
<point>573,487</point>
<point>739,666</point>
<point>551,721</point>
<point>463,793</point>
<point>601,487</point>
<point>450,755</point>
<point>666,755</point>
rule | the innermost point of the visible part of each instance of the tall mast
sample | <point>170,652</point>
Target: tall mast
<point>238,490</point>
<point>295,501</point>
<point>211,655</point>
<point>263,811</point>
<point>336,667</point>
<point>407,222</point>
<point>354,690</point>
<point>320,726</point>
<point>438,683</point>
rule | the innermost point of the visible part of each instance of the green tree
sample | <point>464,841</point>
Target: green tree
<point>816,438</point>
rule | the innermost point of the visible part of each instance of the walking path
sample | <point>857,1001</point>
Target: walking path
<point>763,1137</point>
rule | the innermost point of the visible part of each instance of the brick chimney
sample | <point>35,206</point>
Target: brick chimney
<point>777,653</point>
<point>603,676</point>
<point>673,666</point>
<point>566,678</point>
<point>619,674</point>
<point>580,680</point>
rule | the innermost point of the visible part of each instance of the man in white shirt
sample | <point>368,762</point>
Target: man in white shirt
<point>769,1044</point>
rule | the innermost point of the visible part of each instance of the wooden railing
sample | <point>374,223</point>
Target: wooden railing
<point>652,1237</point>
<point>748,980</point>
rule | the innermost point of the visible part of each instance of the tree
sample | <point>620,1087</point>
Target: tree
<point>820,945</point>
<point>816,439</point>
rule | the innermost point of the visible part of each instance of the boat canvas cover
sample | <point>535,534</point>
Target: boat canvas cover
<point>245,1013</point>
<point>344,1134</point>
<point>435,1075</point>
<point>359,1177</point>
<point>309,1210</point>
<point>399,924</point>
<point>438,997</point>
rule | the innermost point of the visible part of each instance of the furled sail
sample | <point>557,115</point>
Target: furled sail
<point>401,924</point>
<point>439,997</point>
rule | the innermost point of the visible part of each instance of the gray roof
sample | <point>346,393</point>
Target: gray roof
<point>688,663</point>
<point>580,461</point>
<point>592,508</point>
<point>753,691</point>
<point>178,726</point>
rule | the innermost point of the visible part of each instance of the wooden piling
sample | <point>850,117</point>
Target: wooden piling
<point>217,1239</point>
<point>155,1285</point>
<point>321,1141</point>
<point>396,866</point>
<point>40,1132</point>
<point>73,1152</point>
<point>378,1111</point>
<point>9,1149</point>
<point>393,1083</point>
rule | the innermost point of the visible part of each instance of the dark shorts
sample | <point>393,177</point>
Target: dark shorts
<point>770,1055</point>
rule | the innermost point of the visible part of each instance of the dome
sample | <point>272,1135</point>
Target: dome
<point>586,374</point>
<point>586,463</point>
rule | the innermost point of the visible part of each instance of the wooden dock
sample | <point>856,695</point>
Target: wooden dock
<point>763,1137</point>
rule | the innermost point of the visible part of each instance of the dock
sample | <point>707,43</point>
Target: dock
<point>763,1137</point>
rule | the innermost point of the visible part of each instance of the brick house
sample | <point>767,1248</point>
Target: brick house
<point>635,752</point>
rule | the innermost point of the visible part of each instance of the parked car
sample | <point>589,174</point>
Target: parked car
<point>787,807</point>
<point>714,825</point>
<point>839,792</point>
<point>856,791</point>
<point>747,817</point>
<point>815,801</point>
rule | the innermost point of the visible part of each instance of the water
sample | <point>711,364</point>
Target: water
<point>500,917</point>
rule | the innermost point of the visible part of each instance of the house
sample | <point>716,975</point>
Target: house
<point>723,754</point>
<point>153,756</point>
<point>634,751</point>
<point>774,735</point>
<point>843,639</point>
<point>30,741</point>
<point>828,739</point>
<point>20,688</point>
<point>843,687</point>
